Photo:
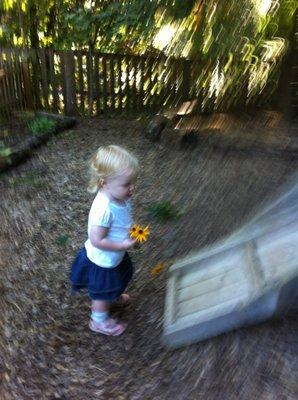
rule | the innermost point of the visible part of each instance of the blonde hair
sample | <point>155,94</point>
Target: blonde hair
<point>108,161</point>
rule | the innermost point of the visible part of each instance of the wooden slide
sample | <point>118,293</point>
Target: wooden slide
<point>245,279</point>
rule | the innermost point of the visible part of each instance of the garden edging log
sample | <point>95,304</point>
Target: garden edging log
<point>18,153</point>
<point>275,145</point>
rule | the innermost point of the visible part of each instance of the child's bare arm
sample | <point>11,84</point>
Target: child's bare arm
<point>98,239</point>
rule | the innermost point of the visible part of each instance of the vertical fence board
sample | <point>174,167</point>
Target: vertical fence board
<point>70,83</point>
<point>134,83</point>
<point>127,84</point>
<point>186,77</point>
<point>105,89</point>
<point>119,79</point>
<point>10,82</point>
<point>27,81</point>
<point>44,77</point>
<point>150,63</point>
<point>4,105</point>
<point>89,62</point>
<point>96,83</point>
<point>154,88</point>
<point>20,103</point>
<point>62,79</point>
<point>35,79</point>
<point>11,79</point>
<point>81,81</point>
<point>142,80</point>
<point>112,83</point>
<point>53,80</point>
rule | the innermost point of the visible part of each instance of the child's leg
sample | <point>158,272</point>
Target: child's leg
<point>100,306</point>
<point>100,321</point>
<point>99,310</point>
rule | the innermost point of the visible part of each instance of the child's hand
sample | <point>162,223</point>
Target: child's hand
<point>128,243</point>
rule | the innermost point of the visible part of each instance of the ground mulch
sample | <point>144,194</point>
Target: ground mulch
<point>47,350</point>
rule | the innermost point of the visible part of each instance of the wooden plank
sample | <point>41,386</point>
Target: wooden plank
<point>112,83</point>
<point>134,83</point>
<point>137,77</point>
<point>232,293</point>
<point>119,81</point>
<point>186,79</point>
<point>150,77</point>
<point>162,75</point>
<point>213,283</point>
<point>44,78</point>
<point>178,78</point>
<point>96,83</point>
<point>53,80</point>
<point>172,80</point>
<point>89,64</point>
<point>25,80</point>
<point>5,103</point>
<point>27,83</point>
<point>18,82</point>
<point>62,79</point>
<point>127,84</point>
<point>142,82</point>
<point>13,83</point>
<point>81,81</point>
<point>9,83</point>
<point>35,78</point>
<point>215,265</point>
<point>105,84</point>
<point>170,301</point>
<point>154,88</point>
<point>70,83</point>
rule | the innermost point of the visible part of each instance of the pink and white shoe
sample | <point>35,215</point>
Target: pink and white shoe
<point>110,327</point>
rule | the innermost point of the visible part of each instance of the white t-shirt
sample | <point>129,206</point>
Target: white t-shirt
<point>118,219</point>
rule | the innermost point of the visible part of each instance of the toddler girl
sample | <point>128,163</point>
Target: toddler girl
<point>103,265</point>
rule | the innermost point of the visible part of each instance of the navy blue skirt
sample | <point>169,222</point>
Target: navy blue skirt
<point>102,283</point>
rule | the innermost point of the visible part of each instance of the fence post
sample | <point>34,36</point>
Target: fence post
<point>70,88</point>
<point>186,76</point>
<point>35,77</point>
<point>27,82</point>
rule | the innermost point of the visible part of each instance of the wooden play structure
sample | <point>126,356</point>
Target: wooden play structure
<point>245,279</point>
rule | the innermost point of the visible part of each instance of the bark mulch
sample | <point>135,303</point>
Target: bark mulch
<point>47,350</point>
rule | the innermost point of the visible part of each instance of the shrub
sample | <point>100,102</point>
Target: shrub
<point>164,211</point>
<point>41,125</point>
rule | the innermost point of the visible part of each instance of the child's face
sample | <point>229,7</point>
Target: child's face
<point>121,186</point>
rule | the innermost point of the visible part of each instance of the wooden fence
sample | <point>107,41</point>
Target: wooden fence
<point>85,83</point>
<point>15,83</point>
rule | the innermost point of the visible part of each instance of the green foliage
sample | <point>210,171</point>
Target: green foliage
<point>164,211</point>
<point>29,179</point>
<point>41,125</point>
<point>62,240</point>
<point>4,151</point>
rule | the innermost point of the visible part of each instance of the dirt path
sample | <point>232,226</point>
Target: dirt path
<point>48,351</point>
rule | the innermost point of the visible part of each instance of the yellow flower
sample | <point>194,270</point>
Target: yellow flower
<point>139,233</point>
<point>134,231</point>
<point>159,267</point>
